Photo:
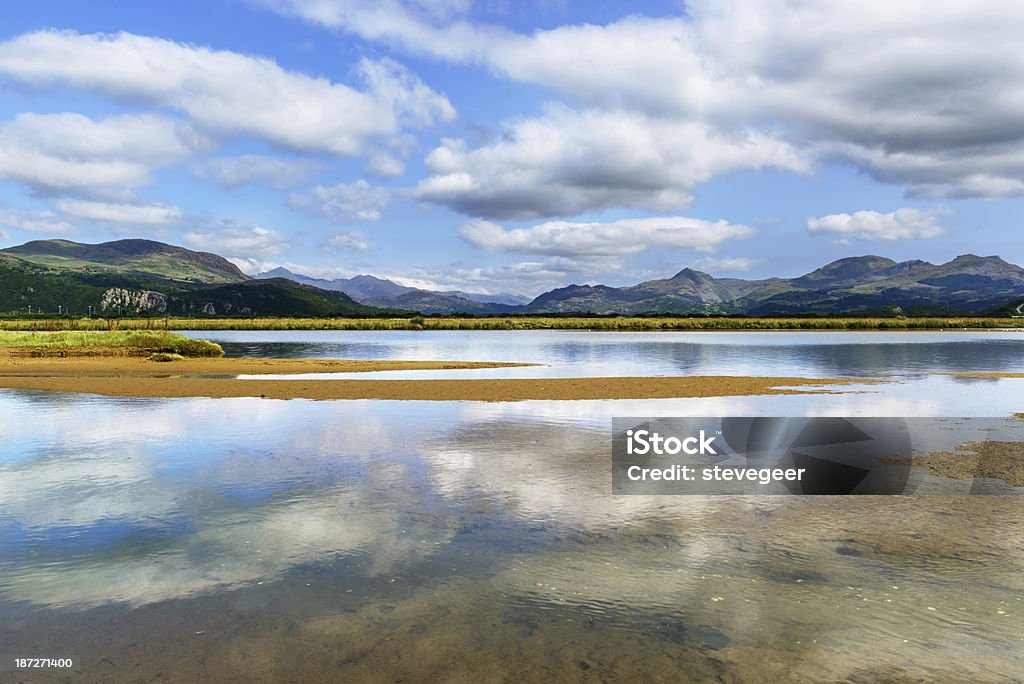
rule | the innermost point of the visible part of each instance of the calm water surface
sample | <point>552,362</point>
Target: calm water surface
<point>811,354</point>
<point>255,540</point>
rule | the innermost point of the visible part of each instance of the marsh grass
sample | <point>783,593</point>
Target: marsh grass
<point>609,323</point>
<point>118,342</point>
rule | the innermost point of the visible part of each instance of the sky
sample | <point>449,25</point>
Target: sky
<point>515,146</point>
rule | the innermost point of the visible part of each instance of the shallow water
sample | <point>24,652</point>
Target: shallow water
<point>783,353</point>
<point>912,363</point>
<point>256,540</point>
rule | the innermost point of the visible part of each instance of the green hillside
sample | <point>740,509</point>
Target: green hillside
<point>142,277</point>
<point>1014,308</point>
<point>26,288</point>
<point>271,297</point>
<point>140,257</point>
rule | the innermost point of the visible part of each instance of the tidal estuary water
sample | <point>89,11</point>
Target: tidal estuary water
<point>251,540</point>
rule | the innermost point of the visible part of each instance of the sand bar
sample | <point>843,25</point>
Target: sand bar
<point>990,459</point>
<point>11,365</point>
<point>127,377</point>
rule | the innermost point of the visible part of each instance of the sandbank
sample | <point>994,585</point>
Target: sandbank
<point>136,377</point>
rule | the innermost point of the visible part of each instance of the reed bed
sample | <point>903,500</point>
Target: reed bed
<point>117,342</point>
<point>597,324</point>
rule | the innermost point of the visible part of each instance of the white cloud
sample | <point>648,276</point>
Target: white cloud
<point>406,96</point>
<point>569,162</point>
<point>442,9</point>
<point>725,264</point>
<point>241,242</point>
<point>526,277</point>
<point>927,95</point>
<point>257,265</point>
<point>990,170</point>
<point>384,166</point>
<point>399,23</point>
<point>72,154</point>
<point>46,222</point>
<point>232,172</point>
<point>228,92</point>
<point>254,265</point>
<point>902,224</point>
<point>128,214</point>
<point>251,266</point>
<point>350,241</point>
<point>614,239</point>
<point>343,203</point>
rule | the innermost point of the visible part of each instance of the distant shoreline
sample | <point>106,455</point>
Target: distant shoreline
<point>580,323</point>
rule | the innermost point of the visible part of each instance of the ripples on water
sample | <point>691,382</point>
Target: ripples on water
<point>252,540</point>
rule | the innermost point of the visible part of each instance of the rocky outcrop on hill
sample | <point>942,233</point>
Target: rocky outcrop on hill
<point>121,300</point>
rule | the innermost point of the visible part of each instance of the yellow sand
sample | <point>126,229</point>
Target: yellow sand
<point>135,377</point>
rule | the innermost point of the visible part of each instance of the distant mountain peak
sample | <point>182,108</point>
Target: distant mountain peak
<point>974,258</point>
<point>848,271</point>
<point>690,274</point>
<point>366,278</point>
<point>991,266</point>
<point>279,272</point>
<point>864,262</point>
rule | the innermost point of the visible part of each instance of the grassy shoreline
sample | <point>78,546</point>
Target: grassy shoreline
<point>597,324</point>
<point>113,343</point>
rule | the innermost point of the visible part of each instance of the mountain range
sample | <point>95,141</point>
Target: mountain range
<point>967,284</point>
<point>129,277</point>
<point>143,276</point>
<point>374,291</point>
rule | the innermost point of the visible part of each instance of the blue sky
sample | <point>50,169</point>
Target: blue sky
<point>500,146</point>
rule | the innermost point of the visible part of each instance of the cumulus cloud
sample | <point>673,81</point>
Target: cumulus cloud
<point>129,215</point>
<point>239,241</point>
<point>405,95</point>
<point>343,203</point>
<point>401,23</point>
<point>570,162</point>
<point>614,239</point>
<point>925,95</point>
<point>46,222</point>
<point>902,224</point>
<point>229,92</point>
<point>232,172</point>
<point>70,153</point>
<point>350,241</point>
